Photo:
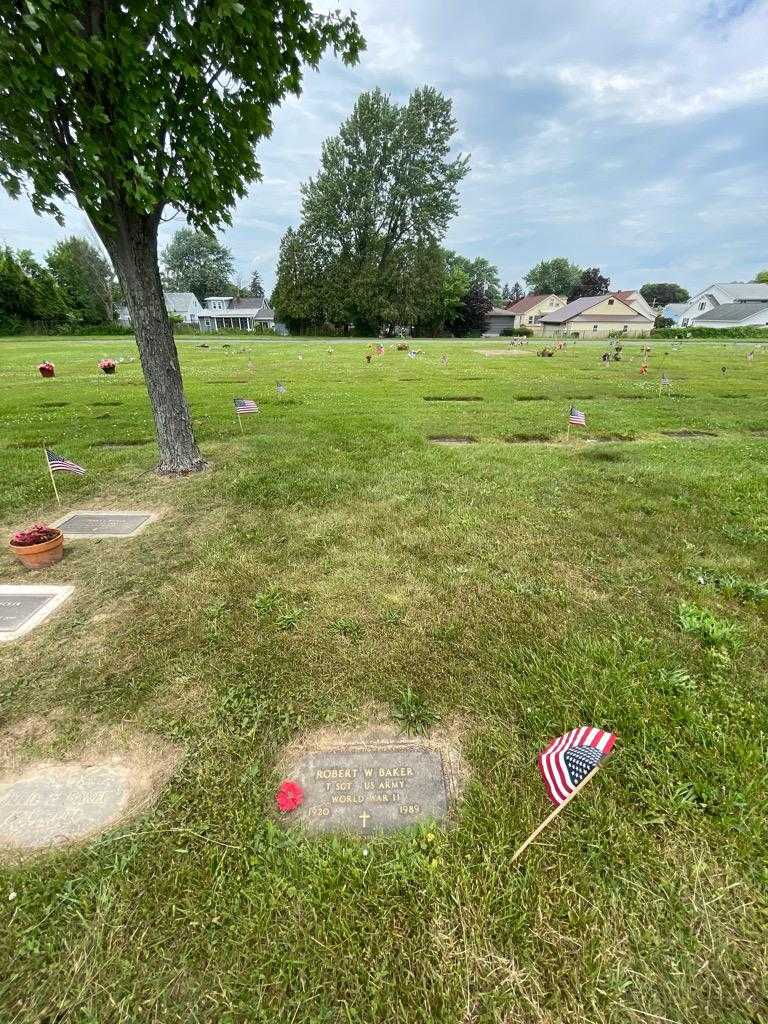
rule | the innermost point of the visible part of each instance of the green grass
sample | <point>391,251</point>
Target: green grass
<point>331,566</point>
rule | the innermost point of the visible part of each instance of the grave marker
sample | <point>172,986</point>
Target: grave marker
<point>24,607</point>
<point>376,787</point>
<point>104,524</point>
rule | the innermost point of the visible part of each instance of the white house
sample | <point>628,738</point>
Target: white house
<point>720,295</point>
<point>224,312</point>
<point>734,314</point>
<point>525,313</point>
<point>183,304</point>
<point>674,311</point>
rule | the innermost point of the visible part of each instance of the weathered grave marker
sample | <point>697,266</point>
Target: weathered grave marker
<point>373,788</point>
<point>24,607</point>
<point>60,803</point>
<point>104,524</point>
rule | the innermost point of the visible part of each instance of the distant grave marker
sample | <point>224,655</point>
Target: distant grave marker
<point>376,787</point>
<point>24,607</point>
<point>104,524</point>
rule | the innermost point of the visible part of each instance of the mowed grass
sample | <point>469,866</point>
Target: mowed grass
<point>333,567</point>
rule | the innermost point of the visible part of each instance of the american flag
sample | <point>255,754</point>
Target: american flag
<point>244,405</point>
<point>58,464</point>
<point>570,758</point>
<point>281,388</point>
<point>576,418</point>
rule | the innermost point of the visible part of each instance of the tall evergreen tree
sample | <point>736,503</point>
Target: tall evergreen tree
<point>85,278</point>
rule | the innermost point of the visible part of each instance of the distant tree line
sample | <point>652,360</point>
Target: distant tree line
<point>73,287</point>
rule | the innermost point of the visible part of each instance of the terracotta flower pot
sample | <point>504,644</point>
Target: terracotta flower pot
<point>40,556</point>
<point>108,369</point>
<point>47,371</point>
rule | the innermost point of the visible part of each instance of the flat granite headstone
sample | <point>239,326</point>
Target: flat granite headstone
<point>378,789</point>
<point>24,607</point>
<point>103,524</point>
<point>59,804</point>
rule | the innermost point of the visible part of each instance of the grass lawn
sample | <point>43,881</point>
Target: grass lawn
<point>332,568</point>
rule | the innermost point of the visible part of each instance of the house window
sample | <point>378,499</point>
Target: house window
<point>594,327</point>
<point>626,328</point>
<point>702,304</point>
<point>530,319</point>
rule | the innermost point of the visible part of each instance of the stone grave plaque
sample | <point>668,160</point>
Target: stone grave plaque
<point>24,607</point>
<point>377,789</point>
<point>103,524</point>
<point>60,803</point>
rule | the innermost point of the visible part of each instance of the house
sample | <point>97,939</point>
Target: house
<point>596,316</point>
<point>722,294</point>
<point>735,314</point>
<point>182,304</point>
<point>674,311</point>
<point>524,313</point>
<point>224,312</point>
<point>637,302</point>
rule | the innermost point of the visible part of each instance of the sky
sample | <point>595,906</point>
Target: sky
<point>632,137</point>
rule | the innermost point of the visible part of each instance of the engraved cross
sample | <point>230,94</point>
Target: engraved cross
<point>364,818</point>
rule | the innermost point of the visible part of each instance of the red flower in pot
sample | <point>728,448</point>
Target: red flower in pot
<point>107,365</point>
<point>39,546</point>
<point>47,369</point>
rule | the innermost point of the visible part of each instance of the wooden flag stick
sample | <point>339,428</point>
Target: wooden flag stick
<point>537,832</point>
<point>240,421</point>
<point>50,473</point>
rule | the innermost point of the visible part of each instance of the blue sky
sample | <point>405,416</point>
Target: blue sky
<point>633,137</point>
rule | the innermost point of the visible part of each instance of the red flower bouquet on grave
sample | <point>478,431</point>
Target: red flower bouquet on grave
<point>47,369</point>
<point>107,365</point>
<point>289,796</point>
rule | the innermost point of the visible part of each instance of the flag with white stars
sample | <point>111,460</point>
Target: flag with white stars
<point>570,758</point>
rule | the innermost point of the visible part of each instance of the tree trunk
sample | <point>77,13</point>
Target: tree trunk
<point>133,249</point>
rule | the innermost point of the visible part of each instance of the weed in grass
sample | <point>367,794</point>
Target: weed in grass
<point>289,618</point>
<point>732,586</point>
<point>267,602</point>
<point>707,627</point>
<point>412,712</point>
<point>351,629</point>
<point>393,616</point>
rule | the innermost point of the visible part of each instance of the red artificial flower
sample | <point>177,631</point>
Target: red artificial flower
<point>289,796</point>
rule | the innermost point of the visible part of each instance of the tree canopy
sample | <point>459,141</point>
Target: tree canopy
<point>557,276</point>
<point>479,271</point>
<point>382,200</point>
<point>761,277</point>
<point>195,261</point>
<point>591,282</point>
<point>131,107</point>
<point>85,278</point>
<point>661,295</point>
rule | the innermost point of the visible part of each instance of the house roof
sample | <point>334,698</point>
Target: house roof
<point>734,311</point>
<point>179,302</point>
<point>625,294</point>
<point>528,303</point>
<point>578,306</point>
<point>674,308</point>
<point>743,290</point>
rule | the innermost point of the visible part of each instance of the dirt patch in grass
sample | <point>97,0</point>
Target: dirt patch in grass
<point>615,437</point>
<point>451,439</point>
<point>453,398</point>
<point>121,443</point>
<point>53,405</point>
<point>689,433</point>
<point>32,729</point>
<point>500,352</point>
<point>528,438</point>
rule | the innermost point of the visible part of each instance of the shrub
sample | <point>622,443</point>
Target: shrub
<point>710,332</point>
<point>516,332</point>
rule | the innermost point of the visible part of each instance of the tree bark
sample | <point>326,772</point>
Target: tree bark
<point>133,249</point>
